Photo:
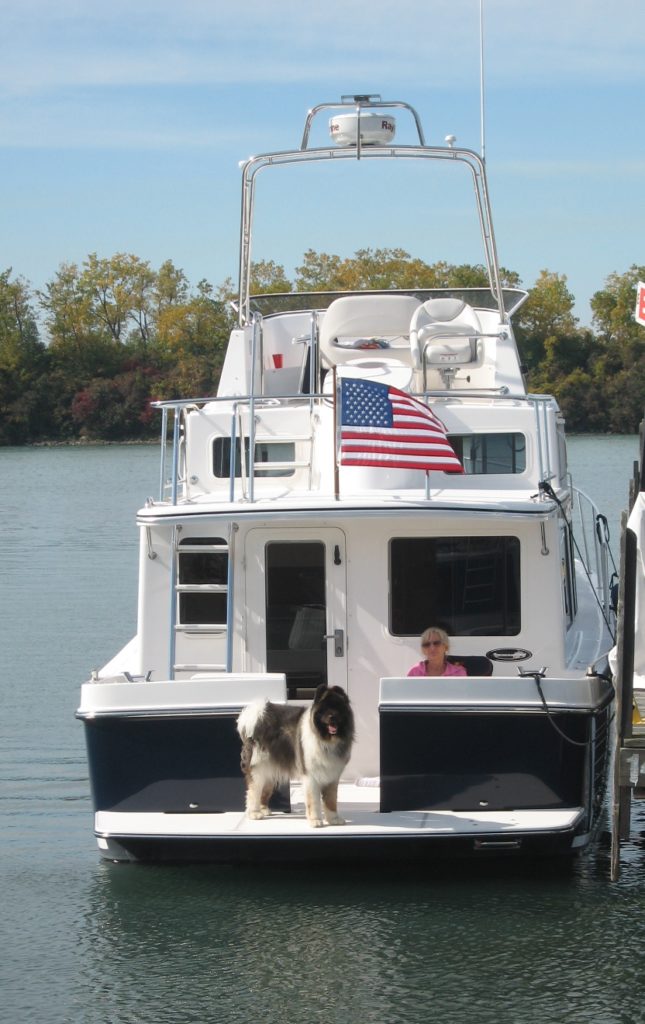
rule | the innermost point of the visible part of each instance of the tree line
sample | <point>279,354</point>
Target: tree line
<point>85,357</point>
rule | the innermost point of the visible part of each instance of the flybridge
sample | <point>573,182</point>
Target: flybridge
<point>362,128</point>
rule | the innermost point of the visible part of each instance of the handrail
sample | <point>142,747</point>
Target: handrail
<point>233,453</point>
<point>256,346</point>
<point>359,103</point>
<point>594,553</point>
<point>164,441</point>
<point>466,157</point>
<point>540,403</point>
<point>172,610</point>
<point>302,399</point>
<point>253,402</point>
<point>230,580</point>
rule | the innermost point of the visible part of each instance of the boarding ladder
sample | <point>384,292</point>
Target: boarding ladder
<point>219,548</point>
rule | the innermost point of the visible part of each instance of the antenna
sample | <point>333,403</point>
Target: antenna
<point>481,81</point>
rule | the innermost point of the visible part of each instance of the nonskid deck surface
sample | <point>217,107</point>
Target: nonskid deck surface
<point>358,805</point>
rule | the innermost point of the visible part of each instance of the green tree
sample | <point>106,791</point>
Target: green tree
<point>387,268</point>
<point>118,320</point>
<point>368,268</point>
<point>620,366</point>
<point>22,363</point>
<point>20,343</point>
<point>80,344</point>
<point>547,313</point>
<point>192,338</point>
<point>614,305</point>
<point>319,272</point>
<point>122,333</point>
<point>170,287</point>
<point>268,277</point>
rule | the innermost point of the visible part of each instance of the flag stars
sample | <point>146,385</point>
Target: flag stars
<point>364,403</point>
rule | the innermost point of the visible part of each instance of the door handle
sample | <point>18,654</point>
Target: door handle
<point>338,636</point>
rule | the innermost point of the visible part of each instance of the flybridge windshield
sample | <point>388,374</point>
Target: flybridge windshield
<point>478,298</point>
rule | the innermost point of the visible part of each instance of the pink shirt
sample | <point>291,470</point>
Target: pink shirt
<point>450,670</point>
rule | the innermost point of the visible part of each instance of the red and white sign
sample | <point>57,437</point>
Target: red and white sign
<point>640,303</point>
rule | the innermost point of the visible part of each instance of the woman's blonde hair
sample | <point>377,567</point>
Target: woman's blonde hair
<point>433,631</point>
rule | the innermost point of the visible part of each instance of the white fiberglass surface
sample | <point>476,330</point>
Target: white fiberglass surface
<point>362,817</point>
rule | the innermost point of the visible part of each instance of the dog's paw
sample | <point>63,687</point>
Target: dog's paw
<point>256,815</point>
<point>335,819</point>
<point>316,822</point>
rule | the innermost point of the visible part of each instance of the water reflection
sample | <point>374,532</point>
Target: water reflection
<point>509,942</point>
<point>88,942</point>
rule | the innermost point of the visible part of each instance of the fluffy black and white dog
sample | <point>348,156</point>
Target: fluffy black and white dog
<point>282,742</point>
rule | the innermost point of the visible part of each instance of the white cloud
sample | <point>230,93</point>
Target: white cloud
<point>84,43</point>
<point>604,170</point>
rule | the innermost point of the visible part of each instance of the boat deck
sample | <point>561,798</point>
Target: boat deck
<point>494,830</point>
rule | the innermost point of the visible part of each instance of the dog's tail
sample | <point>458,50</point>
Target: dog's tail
<point>248,719</point>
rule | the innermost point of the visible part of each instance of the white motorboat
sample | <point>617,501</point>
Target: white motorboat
<point>276,558</point>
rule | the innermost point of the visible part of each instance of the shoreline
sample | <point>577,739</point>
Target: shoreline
<point>84,443</point>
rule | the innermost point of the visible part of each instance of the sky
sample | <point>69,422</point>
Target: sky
<point>122,126</point>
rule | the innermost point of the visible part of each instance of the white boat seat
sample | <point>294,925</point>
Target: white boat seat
<point>376,325</point>
<point>383,371</point>
<point>444,332</point>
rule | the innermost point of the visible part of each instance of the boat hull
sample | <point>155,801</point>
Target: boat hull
<point>367,849</point>
<point>464,778</point>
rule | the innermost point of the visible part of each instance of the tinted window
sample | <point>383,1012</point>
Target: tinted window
<point>490,453</point>
<point>265,451</point>
<point>202,581</point>
<point>469,586</point>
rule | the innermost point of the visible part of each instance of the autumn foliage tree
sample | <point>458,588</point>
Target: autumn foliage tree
<point>121,334</point>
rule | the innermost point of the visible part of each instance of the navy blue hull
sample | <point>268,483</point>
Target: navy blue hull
<point>466,762</point>
<point>167,764</point>
<point>461,761</point>
<point>346,850</point>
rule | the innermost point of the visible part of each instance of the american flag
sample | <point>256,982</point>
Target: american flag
<point>382,426</point>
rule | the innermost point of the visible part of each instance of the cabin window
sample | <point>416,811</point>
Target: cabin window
<point>469,586</point>
<point>265,451</point>
<point>202,581</point>
<point>490,453</point>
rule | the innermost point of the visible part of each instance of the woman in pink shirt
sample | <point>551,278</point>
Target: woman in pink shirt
<point>434,647</point>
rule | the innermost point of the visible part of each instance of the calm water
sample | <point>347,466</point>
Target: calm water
<point>90,942</point>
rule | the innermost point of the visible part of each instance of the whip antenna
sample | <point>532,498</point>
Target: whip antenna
<point>481,81</point>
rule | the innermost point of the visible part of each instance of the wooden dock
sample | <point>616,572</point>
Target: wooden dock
<point>629,754</point>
